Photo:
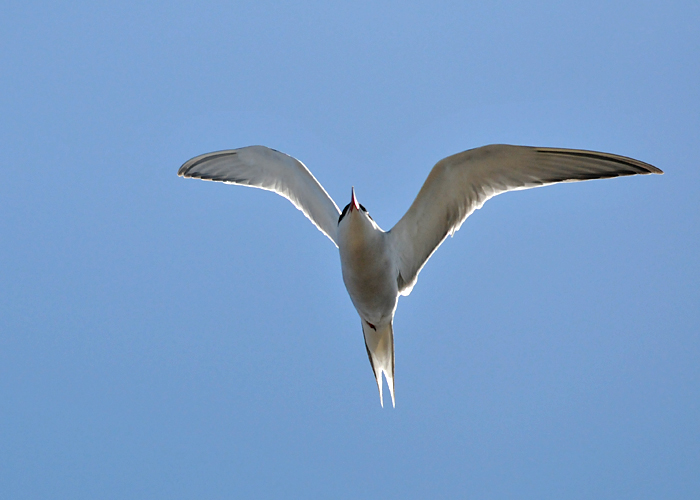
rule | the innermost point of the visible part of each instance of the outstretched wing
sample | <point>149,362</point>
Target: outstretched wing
<point>265,168</point>
<point>461,183</point>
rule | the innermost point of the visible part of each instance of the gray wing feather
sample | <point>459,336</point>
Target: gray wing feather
<point>462,183</point>
<point>265,168</point>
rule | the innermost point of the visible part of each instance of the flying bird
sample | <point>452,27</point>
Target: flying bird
<point>378,266</point>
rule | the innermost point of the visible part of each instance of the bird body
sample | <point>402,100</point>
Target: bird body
<point>379,266</point>
<point>368,267</point>
<point>369,272</point>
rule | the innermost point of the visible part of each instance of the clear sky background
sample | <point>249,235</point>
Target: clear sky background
<point>171,338</point>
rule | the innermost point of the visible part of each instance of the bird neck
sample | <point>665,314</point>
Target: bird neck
<point>357,231</point>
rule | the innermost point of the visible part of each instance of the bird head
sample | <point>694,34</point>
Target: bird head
<point>353,209</point>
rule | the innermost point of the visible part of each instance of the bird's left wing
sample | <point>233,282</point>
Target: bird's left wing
<point>265,168</point>
<point>461,183</point>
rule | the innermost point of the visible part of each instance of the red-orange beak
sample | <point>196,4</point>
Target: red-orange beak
<point>353,203</point>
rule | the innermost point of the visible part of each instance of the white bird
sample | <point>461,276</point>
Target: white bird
<point>378,265</point>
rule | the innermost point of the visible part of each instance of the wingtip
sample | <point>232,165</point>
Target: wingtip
<point>651,169</point>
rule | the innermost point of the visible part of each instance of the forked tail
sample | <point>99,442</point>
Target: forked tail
<point>379,341</point>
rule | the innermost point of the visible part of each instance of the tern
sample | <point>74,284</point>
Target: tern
<point>379,266</point>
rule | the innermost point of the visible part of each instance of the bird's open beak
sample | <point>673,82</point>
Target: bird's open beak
<point>353,203</point>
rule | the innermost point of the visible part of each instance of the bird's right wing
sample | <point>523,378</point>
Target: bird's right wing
<point>461,183</point>
<point>265,168</point>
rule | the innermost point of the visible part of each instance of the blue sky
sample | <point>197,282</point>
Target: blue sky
<point>172,338</point>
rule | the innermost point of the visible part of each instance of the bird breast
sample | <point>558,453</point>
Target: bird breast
<point>368,272</point>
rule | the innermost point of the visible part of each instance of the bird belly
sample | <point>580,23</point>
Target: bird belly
<point>371,284</point>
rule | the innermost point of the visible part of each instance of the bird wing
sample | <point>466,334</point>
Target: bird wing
<point>265,168</point>
<point>461,183</point>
